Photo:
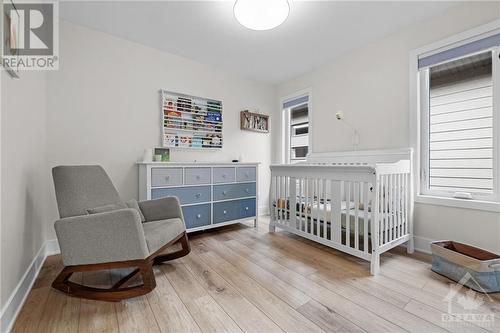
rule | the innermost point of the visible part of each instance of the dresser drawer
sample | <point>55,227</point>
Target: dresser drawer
<point>247,208</point>
<point>233,191</point>
<point>226,211</point>
<point>186,195</point>
<point>196,176</point>
<point>197,216</point>
<point>166,176</point>
<point>224,175</point>
<point>246,174</point>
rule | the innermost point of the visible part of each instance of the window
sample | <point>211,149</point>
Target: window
<point>295,143</point>
<point>459,121</point>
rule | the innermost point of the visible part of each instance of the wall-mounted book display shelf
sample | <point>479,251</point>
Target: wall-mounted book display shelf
<point>191,122</point>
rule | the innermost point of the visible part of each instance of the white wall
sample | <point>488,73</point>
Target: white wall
<point>371,86</point>
<point>103,107</point>
<point>23,175</point>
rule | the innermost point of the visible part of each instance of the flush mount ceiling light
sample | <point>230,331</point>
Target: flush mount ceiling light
<point>261,14</point>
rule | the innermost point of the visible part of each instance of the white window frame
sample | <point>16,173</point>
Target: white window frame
<point>490,203</point>
<point>285,124</point>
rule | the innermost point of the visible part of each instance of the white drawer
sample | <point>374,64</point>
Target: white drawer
<point>224,175</point>
<point>246,174</point>
<point>196,176</point>
<point>166,176</point>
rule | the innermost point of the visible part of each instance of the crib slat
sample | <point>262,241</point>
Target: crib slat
<point>325,210</point>
<point>348,215</point>
<point>307,203</point>
<point>398,202</point>
<point>293,202</point>
<point>318,207</point>
<point>278,198</point>
<point>301,202</point>
<point>390,236</point>
<point>336,225</point>
<point>386,208</point>
<point>366,201</point>
<point>406,202</point>
<point>356,215</point>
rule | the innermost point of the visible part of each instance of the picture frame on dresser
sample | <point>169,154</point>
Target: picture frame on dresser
<point>211,194</point>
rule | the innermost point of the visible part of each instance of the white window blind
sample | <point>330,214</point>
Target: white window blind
<point>459,140</point>
<point>461,136</point>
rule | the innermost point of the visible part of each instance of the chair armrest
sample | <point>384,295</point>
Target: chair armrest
<point>99,238</point>
<point>161,209</point>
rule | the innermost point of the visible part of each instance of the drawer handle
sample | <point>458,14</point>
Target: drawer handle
<point>224,192</point>
<point>224,175</point>
<point>198,177</point>
<point>167,178</point>
<point>197,195</point>
<point>247,190</point>
<point>246,208</point>
<point>224,212</point>
<point>198,216</point>
<point>247,175</point>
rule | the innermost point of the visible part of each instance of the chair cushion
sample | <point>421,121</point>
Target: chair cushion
<point>106,208</point>
<point>159,233</point>
<point>132,203</point>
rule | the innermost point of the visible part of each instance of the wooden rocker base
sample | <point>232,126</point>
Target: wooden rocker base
<point>119,290</point>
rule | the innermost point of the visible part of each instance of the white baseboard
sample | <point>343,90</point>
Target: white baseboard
<point>18,297</point>
<point>264,210</point>
<point>423,244</point>
<point>52,247</point>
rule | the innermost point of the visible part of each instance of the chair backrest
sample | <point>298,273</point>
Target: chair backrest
<point>81,187</point>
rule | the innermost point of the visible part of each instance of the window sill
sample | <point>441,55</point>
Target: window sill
<point>489,206</point>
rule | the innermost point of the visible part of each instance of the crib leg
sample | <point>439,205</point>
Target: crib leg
<point>272,228</point>
<point>375,264</point>
<point>410,246</point>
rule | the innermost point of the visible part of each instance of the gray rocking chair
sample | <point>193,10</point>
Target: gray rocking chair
<point>98,231</point>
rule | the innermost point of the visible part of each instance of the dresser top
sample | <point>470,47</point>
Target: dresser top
<point>200,163</point>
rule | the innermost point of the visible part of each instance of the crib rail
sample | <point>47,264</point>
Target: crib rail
<point>358,209</point>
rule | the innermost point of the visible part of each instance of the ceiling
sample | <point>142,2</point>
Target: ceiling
<point>206,31</point>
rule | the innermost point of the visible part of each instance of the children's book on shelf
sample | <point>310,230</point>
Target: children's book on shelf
<point>197,142</point>
<point>170,140</point>
<point>185,141</point>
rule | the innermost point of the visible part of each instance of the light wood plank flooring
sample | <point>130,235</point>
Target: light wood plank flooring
<point>242,279</point>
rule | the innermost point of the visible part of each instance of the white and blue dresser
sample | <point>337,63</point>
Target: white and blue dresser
<point>211,194</point>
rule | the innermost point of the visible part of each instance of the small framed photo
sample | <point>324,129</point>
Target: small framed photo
<point>161,155</point>
<point>10,39</point>
<point>254,122</point>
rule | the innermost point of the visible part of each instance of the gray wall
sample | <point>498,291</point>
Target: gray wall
<point>24,175</point>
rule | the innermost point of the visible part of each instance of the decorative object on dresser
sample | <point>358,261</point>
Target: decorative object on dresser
<point>211,194</point>
<point>255,122</point>
<point>190,122</point>
<point>98,231</point>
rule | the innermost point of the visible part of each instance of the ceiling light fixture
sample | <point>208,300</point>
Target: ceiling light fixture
<point>261,14</point>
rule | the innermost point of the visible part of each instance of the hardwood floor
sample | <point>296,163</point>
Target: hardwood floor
<point>242,279</point>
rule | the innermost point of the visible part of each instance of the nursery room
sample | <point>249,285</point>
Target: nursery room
<point>250,166</point>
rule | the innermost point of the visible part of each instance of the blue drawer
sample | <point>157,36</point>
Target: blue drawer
<point>226,211</point>
<point>186,195</point>
<point>247,208</point>
<point>196,216</point>
<point>234,191</point>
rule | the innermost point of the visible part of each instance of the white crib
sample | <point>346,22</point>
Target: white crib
<point>357,202</point>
